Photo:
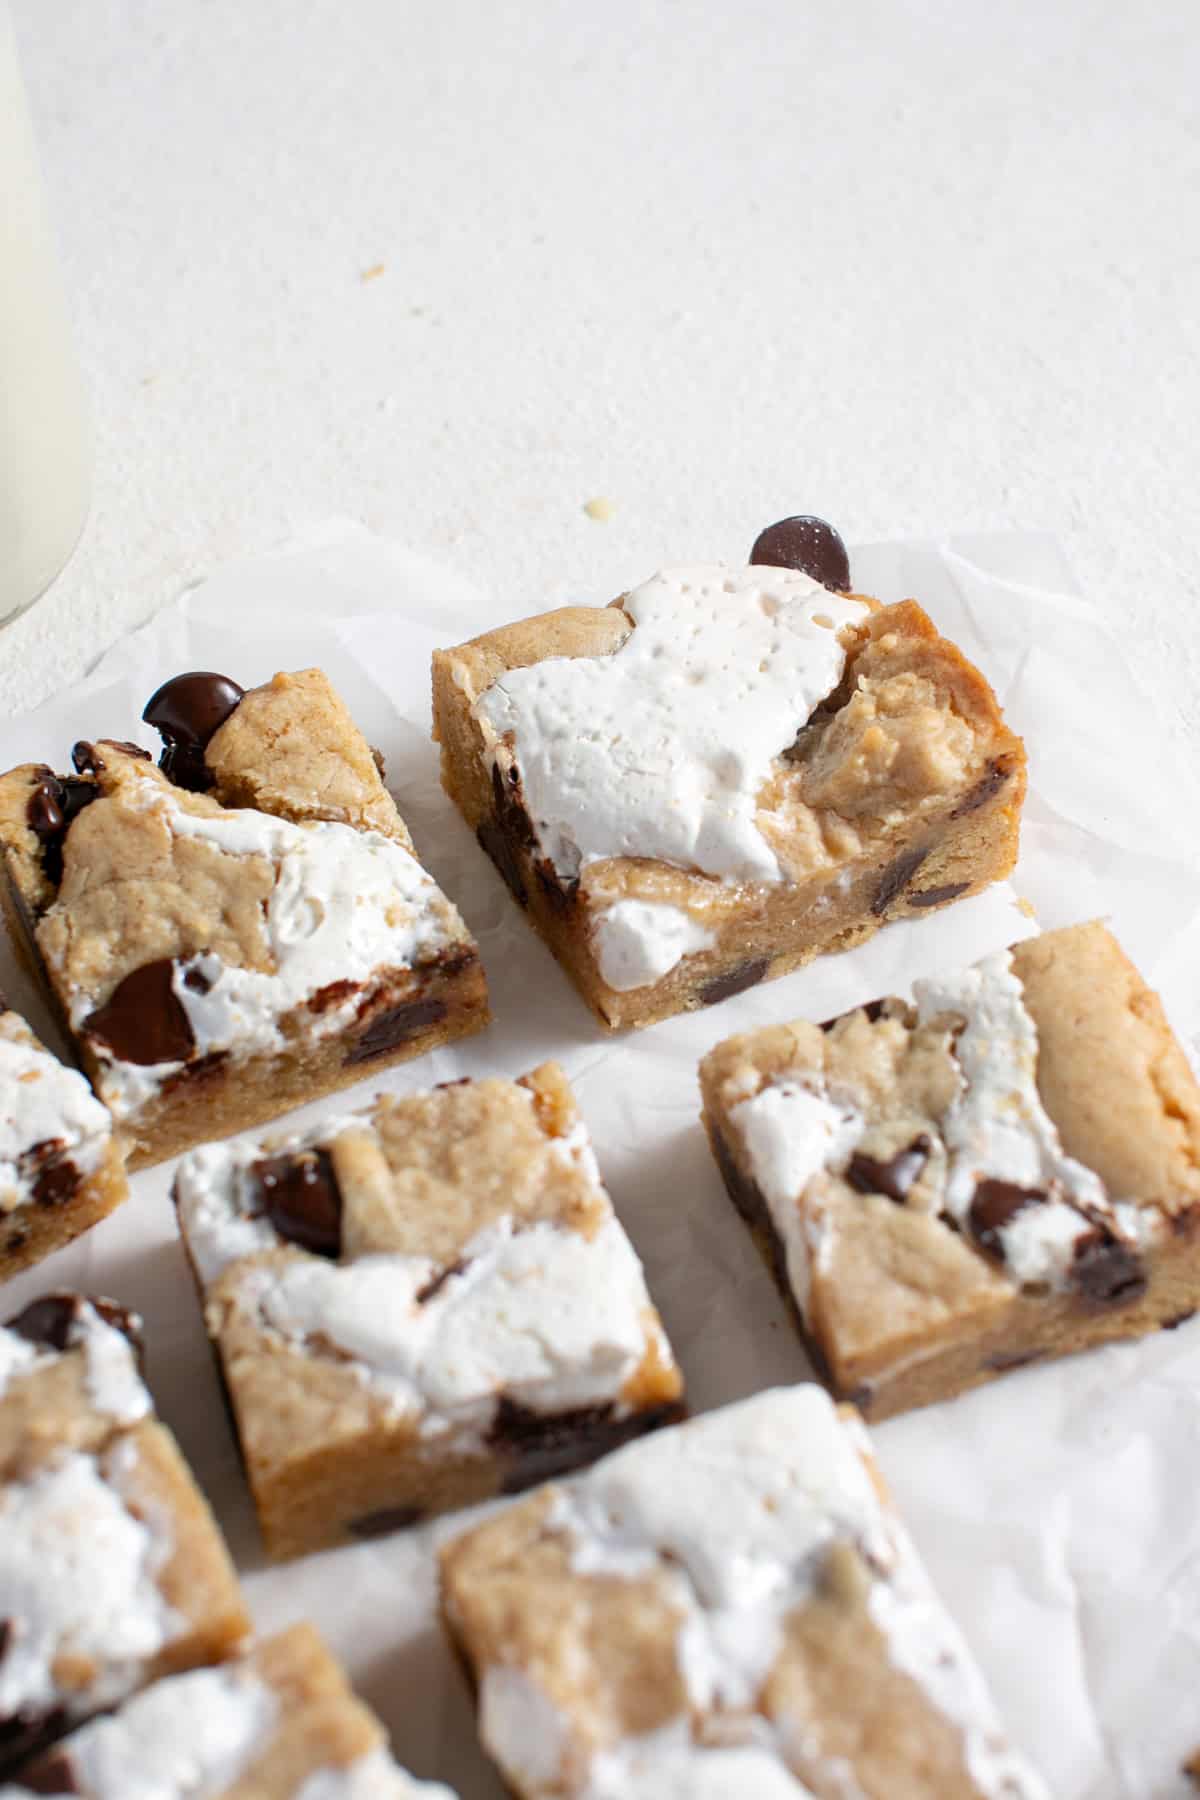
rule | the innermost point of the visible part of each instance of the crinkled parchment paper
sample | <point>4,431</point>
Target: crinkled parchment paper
<point>1058,1510</point>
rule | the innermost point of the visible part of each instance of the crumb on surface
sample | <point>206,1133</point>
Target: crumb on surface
<point>1027,907</point>
<point>374,272</point>
<point>600,508</point>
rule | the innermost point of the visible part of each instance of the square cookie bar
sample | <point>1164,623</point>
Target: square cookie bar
<point>112,1570</point>
<point>60,1167</point>
<point>420,1306</point>
<point>730,1609</point>
<point>1005,1170</point>
<point>240,930</point>
<point>279,1723</point>
<point>723,774</point>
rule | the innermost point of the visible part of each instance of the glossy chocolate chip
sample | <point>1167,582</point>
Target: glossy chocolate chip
<point>893,1178</point>
<point>87,759</point>
<point>939,896</point>
<point>895,879</point>
<point>994,1205</point>
<point>387,1518</point>
<point>143,1020</point>
<point>186,712</point>
<point>397,1026</point>
<point>808,544</point>
<point>1107,1271</point>
<point>53,806</point>
<point>997,774</point>
<point>301,1197</point>
<point>734,981</point>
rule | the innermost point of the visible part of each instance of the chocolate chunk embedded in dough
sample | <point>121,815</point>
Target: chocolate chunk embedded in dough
<point>301,1197</point>
<point>388,1030</point>
<point>893,1178</point>
<point>734,981</point>
<point>808,544</point>
<point>895,879</point>
<point>143,1020</point>
<point>996,1204</point>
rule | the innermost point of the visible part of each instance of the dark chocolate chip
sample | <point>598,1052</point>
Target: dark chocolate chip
<point>543,1445</point>
<point>301,1197</point>
<point>1003,1360</point>
<point>1179,1319</point>
<point>53,1773</point>
<point>395,1027</point>
<point>52,808</point>
<point>56,1181</point>
<point>16,1239</point>
<point>895,879</point>
<point>377,759</point>
<point>994,1205</point>
<point>1106,1270</point>
<point>808,544</point>
<point>87,758</point>
<point>893,1178</point>
<point>493,841</point>
<point>560,895</point>
<point>197,980</point>
<point>940,895</point>
<point>186,712</point>
<point>143,1020</point>
<point>388,1518</point>
<point>511,813</point>
<point>26,1730</point>
<point>734,981</point>
<point>192,1074</point>
<point>6,1632</point>
<point>437,1282</point>
<point>997,774</point>
<point>51,1320</point>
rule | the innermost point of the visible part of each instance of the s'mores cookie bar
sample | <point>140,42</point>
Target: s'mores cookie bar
<point>240,930</point>
<point>420,1306</point>
<point>112,1571</point>
<point>60,1168</point>
<point>279,1723</point>
<point>729,1609</point>
<point>1005,1170</point>
<point>725,773</point>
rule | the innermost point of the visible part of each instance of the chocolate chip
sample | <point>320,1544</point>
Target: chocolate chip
<point>734,981</point>
<point>26,1730</point>
<point>301,1197</point>
<point>197,980</point>
<point>87,758</point>
<point>438,1281</point>
<point>143,1020</point>
<point>6,1634</point>
<point>895,878</point>
<point>493,841</point>
<point>56,1181</point>
<point>1106,1270</point>
<point>998,772</point>
<point>388,1518</point>
<point>893,1178</point>
<point>808,544</point>
<point>548,1444</point>
<point>874,1009</point>
<point>196,1072</point>
<point>52,808</point>
<point>53,1773</point>
<point>996,1204</point>
<point>940,895</point>
<point>560,895</point>
<point>1179,1319</point>
<point>395,1027</point>
<point>186,712</point>
<point>51,1320</point>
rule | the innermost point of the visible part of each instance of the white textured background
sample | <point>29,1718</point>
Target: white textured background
<point>921,266</point>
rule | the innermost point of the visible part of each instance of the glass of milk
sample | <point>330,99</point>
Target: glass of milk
<point>44,449</point>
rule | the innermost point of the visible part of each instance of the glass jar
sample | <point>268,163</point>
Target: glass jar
<point>44,448</point>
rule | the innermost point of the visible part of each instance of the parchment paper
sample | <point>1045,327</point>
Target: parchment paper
<point>1057,1510</point>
